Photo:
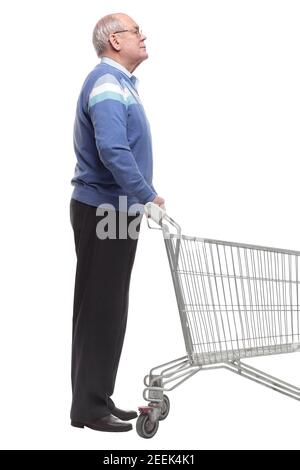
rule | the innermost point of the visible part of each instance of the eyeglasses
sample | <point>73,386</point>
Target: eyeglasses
<point>136,31</point>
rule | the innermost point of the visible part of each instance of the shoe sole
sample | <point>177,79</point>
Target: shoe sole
<point>76,424</point>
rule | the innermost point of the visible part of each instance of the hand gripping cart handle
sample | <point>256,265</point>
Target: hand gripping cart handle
<point>235,301</point>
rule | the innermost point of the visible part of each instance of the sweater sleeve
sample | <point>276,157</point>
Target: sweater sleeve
<point>108,111</point>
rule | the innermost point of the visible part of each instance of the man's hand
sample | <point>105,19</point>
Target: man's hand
<point>159,201</point>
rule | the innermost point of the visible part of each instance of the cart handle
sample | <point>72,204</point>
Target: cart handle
<point>159,214</point>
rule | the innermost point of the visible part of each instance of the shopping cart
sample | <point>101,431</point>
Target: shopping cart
<point>235,301</point>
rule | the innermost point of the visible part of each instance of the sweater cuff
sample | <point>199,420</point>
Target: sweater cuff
<point>147,196</point>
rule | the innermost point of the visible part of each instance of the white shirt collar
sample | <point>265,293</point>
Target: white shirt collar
<point>114,63</point>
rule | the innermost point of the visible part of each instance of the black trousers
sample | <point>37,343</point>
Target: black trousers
<point>100,312</point>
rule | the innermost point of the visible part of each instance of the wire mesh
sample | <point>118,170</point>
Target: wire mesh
<point>235,300</point>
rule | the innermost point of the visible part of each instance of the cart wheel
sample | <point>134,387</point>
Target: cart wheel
<point>145,428</point>
<point>165,408</point>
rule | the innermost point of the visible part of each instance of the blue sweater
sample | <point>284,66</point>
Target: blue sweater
<point>112,140</point>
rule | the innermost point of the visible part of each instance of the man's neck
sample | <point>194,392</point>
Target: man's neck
<point>129,67</point>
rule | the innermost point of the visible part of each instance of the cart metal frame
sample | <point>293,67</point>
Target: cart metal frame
<point>235,301</point>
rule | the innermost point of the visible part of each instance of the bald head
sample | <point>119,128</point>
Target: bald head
<point>122,17</point>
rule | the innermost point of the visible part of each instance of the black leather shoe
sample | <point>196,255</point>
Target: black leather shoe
<point>107,424</point>
<point>125,415</point>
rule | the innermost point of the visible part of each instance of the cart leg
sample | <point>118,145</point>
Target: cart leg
<point>263,378</point>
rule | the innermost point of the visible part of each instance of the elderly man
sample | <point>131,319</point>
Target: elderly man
<point>112,144</point>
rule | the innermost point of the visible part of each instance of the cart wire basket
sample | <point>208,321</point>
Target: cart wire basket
<point>235,301</point>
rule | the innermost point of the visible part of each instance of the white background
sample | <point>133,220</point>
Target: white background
<point>221,90</point>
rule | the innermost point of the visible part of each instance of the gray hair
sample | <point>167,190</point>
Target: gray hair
<point>105,26</point>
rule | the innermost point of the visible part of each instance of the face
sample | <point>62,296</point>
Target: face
<point>131,42</point>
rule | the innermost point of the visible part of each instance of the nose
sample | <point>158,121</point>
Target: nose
<point>143,36</point>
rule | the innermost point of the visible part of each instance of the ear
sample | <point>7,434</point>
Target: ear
<point>114,42</point>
